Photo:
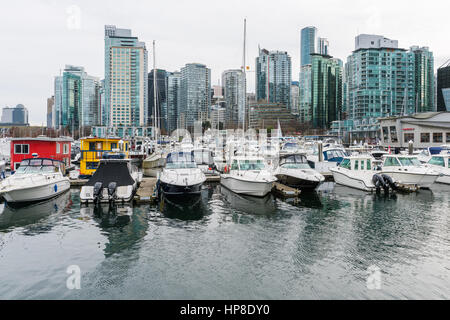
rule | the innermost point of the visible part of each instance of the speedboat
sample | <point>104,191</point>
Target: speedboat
<point>181,176</point>
<point>249,176</point>
<point>359,172</point>
<point>441,164</point>
<point>115,180</point>
<point>36,179</point>
<point>294,171</point>
<point>406,169</point>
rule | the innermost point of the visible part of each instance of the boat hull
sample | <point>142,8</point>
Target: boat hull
<point>251,188</point>
<point>37,193</point>
<point>344,179</point>
<point>171,190</point>
<point>419,179</point>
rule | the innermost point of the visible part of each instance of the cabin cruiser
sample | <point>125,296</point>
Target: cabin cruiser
<point>441,164</point>
<point>115,180</point>
<point>407,169</point>
<point>329,158</point>
<point>154,163</point>
<point>36,179</point>
<point>248,175</point>
<point>181,176</point>
<point>294,171</point>
<point>289,148</point>
<point>359,172</point>
<point>204,159</point>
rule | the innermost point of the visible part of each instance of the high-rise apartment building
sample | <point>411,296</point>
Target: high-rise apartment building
<point>321,91</point>
<point>195,96</point>
<point>50,111</point>
<point>308,39</point>
<point>273,77</point>
<point>233,82</point>
<point>126,79</point>
<point>295,91</point>
<point>173,99</point>
<point>17,115</point>
<point>322,46</point>
<point>443,87</point>
<point>161,98</point>
<point>424,79</point>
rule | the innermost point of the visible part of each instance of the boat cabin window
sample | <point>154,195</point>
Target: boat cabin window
<point>38,166</point>
<point>391,162</point>
<point>296,161</point>
<point>234,165</point>
<point>409,161</point>
<point>368,165</point>
<point>290,146</point>
<point>437,161</point>
<point>180,160</point>
<point>346,164</point>
<point>362,164</point>
<point>331,154</point>
<point>251,165</point>
<point>356,165</point>
<point>202,157</point>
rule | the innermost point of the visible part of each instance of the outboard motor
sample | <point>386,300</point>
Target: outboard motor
<point>112,188</point>
<point>389,181</point>
<point>379,182</point>
<point>98,187</point>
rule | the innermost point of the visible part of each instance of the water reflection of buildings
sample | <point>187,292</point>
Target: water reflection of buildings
<point>32,216</point>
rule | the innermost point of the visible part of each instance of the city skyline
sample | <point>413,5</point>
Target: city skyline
<point>28,79</point>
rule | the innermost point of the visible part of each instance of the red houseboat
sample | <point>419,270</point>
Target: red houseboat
<point>43,147</point>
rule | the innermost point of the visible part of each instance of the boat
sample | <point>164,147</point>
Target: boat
<point>205,160</point>
<point>294,171</point>
<point>92,150</point>
<point>249,176</point>
<point>154,163</point>
<point>406,169</point>
<point>181,176</point>
<point>361,172</point>
<point>441,164</point>
<point>115,180</point>
<point>35,179</point>
<point>330,158</point>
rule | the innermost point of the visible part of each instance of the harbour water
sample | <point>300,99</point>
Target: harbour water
<point>328,245</point>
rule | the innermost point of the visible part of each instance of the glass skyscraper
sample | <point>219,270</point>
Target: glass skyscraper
<point>443,87</point>
<point>126,79</point>
<point>424,78</point>
<point>195,93</point>
<point>173,99</point>
<point>161,98</point>
<point>273,77</point>
<point>233,82</point>
<point>308,36</point>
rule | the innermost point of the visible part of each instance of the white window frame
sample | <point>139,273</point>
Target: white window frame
<point>21,148</point>
<point>65,148</point>
<point>58,148</point>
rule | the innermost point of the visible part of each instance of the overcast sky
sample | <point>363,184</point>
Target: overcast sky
<point>39,37</point>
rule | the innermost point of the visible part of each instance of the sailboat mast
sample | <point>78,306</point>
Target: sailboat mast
<point>155,115</point>
<point>245,75</point>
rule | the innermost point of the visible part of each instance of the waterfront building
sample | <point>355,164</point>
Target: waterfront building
<point>380,82</point>
<point>443,87</point>
<point>233,82</point>
<point>195,96</point>
<point>308,36</point>
<point>161,99</point>
<point>265,115</point>
<point>295,91</point>
<point>76,99</point>
<point>173,99</point>
<point>424,78</point>
<point>428,129</point>
<point>126,79</point>
<point>17,115</point>
<point>273,77</point>
<point>321,91</point>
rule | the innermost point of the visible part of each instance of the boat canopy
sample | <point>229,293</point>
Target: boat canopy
<point>112,171</point>
<point>40,165</point>
<point>180,160</point>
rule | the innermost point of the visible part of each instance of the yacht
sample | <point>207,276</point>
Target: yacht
<point>249,176</point>
<point>441,164</point>
<point>204,159</point>
<point>36,179</point>
<point>294,171</point>
<point>181,175</point>
<point>406,169</point>
<point>154,163</point>
<point>359,172</point>
<point>115,180</point>
<point>331,157</point>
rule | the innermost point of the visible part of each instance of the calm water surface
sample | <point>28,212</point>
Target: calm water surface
<point>225,246</point>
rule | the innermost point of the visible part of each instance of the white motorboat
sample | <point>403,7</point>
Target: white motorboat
<point>441,164</point>
<point>248,175</point>
<point>204,159</point>
<point>181,176</point>
<point>330,158</point>
<point>359,172</point>
<point>294,171</point>
<point>115,180</point>
<point>36,179</point>
<point>408,170</point>
<point>154,163</point>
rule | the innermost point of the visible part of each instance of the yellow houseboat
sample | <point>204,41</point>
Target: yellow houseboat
<point>92,150</point>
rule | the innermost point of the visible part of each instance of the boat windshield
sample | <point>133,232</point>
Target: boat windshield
<point>406,162</point>
<point>251,165</point>
<point>29,166</point>
<point>180,160</point>
<point>290,146</point>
